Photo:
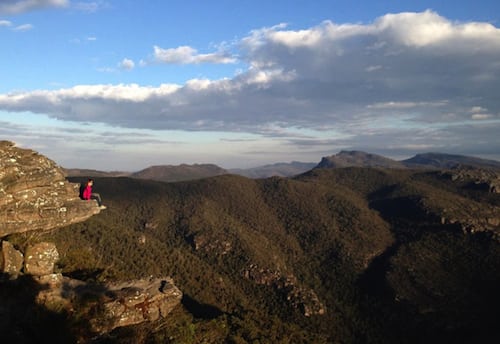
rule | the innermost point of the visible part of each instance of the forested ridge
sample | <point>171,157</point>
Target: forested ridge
<point>350,255</point>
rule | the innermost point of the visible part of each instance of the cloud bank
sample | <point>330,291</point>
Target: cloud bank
<point>20,6</point>
<point>412,79</point>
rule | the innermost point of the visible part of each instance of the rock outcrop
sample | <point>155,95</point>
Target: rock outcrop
<point>34,194</point>
<point>134,302</point>
<point>485,179</point>
<point>111,305</point>
<point>298,297</point>
<point>40,259</point>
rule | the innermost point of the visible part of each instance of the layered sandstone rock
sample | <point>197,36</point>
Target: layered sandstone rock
<point>34,194</point>
<point>111,305</point>
<point>134,302</point>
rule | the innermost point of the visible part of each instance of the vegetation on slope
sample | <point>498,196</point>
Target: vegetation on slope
<point>252,255</point>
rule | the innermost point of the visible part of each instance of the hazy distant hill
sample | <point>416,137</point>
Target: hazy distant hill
<point>169,173</point>
<point>426,161</point>
<point>358,159</point>
<point>441,160</point>
<point>279,169</point>
<point>184,172</point>
<point>78,172</point>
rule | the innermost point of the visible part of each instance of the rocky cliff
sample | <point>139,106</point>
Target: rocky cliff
<point>34,194</point>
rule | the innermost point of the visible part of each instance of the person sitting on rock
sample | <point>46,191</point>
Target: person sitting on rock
<point>88,194</point>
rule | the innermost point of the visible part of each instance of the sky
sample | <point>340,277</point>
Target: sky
<point>124,85</point>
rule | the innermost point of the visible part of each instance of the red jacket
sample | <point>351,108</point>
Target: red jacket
<point>87,192</point>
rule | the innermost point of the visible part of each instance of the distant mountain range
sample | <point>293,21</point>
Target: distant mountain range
<point>169,173</point>
<point>80,172</point>
<point>440,160</point>
<point>183,172</point>
<point>281,169</point>
<point>425,160</point>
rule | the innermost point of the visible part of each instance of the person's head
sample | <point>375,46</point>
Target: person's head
<point>90,182</point>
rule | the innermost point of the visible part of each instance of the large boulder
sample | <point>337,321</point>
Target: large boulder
<point>134,302</point>
<point>40,259</point>
<point>34,193</point>
<point>111,305</point>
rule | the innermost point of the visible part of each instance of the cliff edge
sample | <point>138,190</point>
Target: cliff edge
<point>34,194</point>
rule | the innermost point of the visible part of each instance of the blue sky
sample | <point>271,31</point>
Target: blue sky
<point>122,85</point>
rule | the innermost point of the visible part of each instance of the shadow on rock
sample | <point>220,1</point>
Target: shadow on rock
<point>23,320</point>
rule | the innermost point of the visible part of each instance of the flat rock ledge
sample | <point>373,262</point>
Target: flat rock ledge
<point>113,305</point>
<point>35,195</point>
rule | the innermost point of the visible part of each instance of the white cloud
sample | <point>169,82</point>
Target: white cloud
<point>405,105</point>
<point>20,6</point>
<point>416,29</point>
<point>481,116</point>
<point>22,28</point>
<point>373,68</point>
<point>476,109</point>
<point>126,64</point>
<point>189,55</point>
<point>415,77</point>
<point>5,23</point>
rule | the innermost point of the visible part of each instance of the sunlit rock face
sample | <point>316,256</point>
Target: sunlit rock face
<point>34,194</point>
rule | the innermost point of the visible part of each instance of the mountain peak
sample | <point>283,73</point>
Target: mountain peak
<point>169,173</point>
<point>357,159</point>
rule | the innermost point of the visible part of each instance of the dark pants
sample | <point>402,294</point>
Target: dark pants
<point>97,197</point>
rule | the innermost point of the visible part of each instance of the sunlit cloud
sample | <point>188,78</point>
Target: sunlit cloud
<point>22,28</point>
<point>189,55</point>
<point>126,64</point>
<point>404,78</point>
